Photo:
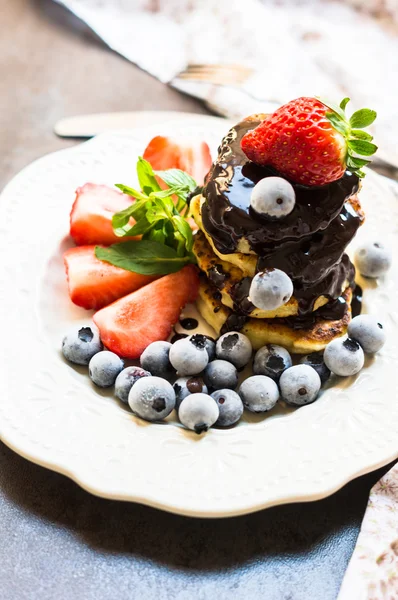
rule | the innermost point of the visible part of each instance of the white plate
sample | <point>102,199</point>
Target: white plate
<point>50,413</point>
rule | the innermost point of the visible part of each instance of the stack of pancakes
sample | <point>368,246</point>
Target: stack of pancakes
<point>233,244</point>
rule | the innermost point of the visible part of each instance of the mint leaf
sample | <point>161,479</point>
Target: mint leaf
<point>140,228</point>
<point>146,176</point>
<point>362,147</point>
<point>146,257</point>
<point>175,178</point>
<point>362,118</point>
<point>361,135</point>
<point>344,103</point>
<point>120,220</point>
<point>130,191</point>
<point>184,230</point>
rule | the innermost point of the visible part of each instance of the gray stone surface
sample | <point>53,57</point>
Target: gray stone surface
<point>59,542</point>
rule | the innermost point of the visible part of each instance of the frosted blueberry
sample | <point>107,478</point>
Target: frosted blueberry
<point>80,344</point>
<point>373,259</point>
<point>271,360</point>
<point>220,374</point>
<point>315,360</point>
<point>184,386</point>
<point>230,406</point>
<point>344,357</point>
<point>273,197</point>
<point>259,393</point>
<point>126,379</point>
<point>235,348</point>
<point>189,356</point>
<point>210,347</point>
<point>299,385</point>
<point>209,343</point>
<point>368,332</point>
<point>198,412</point>
<point>270,289</point>
<point>155,359</point>
<point>152,398</point>
<point>104,367</point>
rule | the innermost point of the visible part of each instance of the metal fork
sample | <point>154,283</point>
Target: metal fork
<point>232,76</point>
<point>227,74</point>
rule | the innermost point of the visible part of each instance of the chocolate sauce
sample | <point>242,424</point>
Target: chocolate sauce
<point>234,322</point>
<point>308,244</point>
<point>356,302</point>
<point>217,275</point>
<point>178,336</point>
<point>240,296</point>
<point>189,323</point>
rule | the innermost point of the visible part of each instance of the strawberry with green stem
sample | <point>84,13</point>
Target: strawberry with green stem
<point>312,141</point>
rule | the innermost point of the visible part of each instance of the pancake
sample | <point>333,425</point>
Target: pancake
<point>245,262</point>
<point>312,336</point>
<point>234,285</point>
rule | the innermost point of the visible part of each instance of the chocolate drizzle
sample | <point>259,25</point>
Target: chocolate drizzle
<point>308,244</point>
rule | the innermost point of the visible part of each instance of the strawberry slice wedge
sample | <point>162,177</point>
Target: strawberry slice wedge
<point>130,324</point>
<point>92,212</point>
<point>190,156</point>
<point>94,283</point>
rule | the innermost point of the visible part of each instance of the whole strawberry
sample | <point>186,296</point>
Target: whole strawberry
<point>311,142</point>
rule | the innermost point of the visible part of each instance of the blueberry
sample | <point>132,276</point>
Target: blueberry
<point>80,345</point>
<point>373,259</point>
<point>209,343</point>
<point>271,360</point>
<point>220,374</point>
<point>300,385</point>
<point>368,332</point>
<point>315,360</point>
<point>188,385</point>
<point>155,359</point>
<point>152,398</point>
<point>344,357</point>
<point>259,393</point>
<point>230,406</point>
<point>270,289</point>
<point>210,347</point>
<point>126,379</point>
<point>198,412</point>
<point>104,367</point>
<point>273,197</point>
<point>235,348</point>
<point>188,356</point>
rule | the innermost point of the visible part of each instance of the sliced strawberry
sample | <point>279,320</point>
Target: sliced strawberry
<point>130,324</point>
<point>94,283</point>
<point>92,212</point>
<point>190,156</point>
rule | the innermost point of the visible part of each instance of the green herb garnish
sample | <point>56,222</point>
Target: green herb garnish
<point>167,240</point>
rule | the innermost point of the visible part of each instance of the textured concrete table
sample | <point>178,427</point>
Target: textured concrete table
<point>57,540</point>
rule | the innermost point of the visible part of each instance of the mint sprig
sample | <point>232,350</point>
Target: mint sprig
<point>167,239</point>
<point>146,257</point>
<point>359,143</point>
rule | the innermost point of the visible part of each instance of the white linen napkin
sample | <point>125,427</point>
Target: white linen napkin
<point>312,48</point>
<point>372,573</point>
<point>316,48</point>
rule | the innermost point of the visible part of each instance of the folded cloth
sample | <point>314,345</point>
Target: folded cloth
<point>323,48</point>
<point>372,573</point>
